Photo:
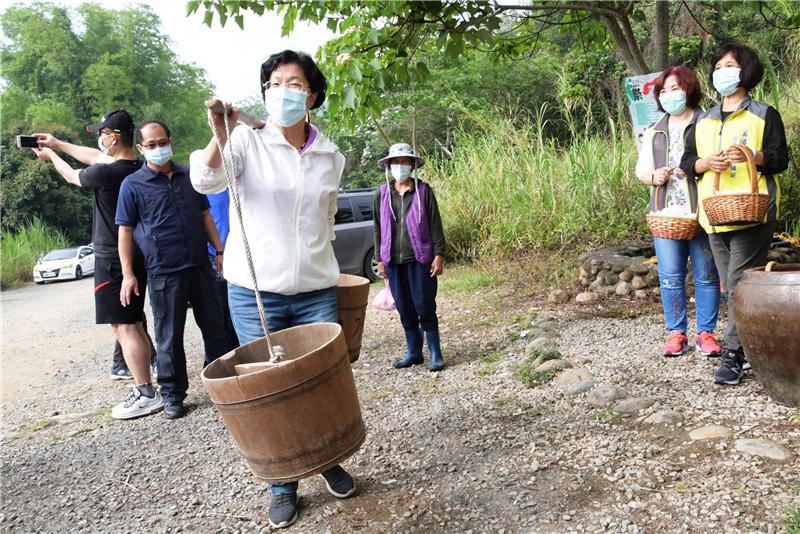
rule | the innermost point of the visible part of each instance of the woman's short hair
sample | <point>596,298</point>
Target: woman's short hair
<point>316,80</point>
<point>748,60</point>
<point>687,80</point>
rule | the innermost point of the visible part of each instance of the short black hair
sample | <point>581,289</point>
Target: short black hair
<point>147,123</point>
<point>748,60</point>
<point>318,83</point>
<point>126,138</point>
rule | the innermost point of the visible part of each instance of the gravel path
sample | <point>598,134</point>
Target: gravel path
<point>467,450</point>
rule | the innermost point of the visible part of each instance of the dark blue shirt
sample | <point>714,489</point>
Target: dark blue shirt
<point>220,208</point>
<point>166,216</point>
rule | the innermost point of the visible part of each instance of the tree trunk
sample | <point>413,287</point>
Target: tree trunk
<point>622,44</point>
<point>627,31</point>
<point>662,35</point>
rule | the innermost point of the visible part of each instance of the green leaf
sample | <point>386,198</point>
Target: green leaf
<point>208,18</point>
<point>372,36</point>
<point>354,72</point>
<point>239,21</point>
<point>349,100</point>
<point>332,24</point>
<point>192,6</point>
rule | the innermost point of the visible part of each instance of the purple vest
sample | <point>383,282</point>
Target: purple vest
<point>418,229</point>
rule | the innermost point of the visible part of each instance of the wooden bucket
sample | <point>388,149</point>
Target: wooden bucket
<point>352,294</point>
<point>292,419</point>
<point>767,309</point>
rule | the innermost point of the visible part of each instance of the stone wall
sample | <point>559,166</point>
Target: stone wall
<point>620,270</point>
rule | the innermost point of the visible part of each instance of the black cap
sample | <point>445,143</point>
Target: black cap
<point>118,120</point>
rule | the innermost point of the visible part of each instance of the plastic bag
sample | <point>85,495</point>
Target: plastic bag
<point>384,300</point>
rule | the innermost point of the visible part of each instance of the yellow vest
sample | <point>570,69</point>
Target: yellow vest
<point>745,126</point>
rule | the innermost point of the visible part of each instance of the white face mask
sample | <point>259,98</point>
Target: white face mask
<point>103,148</point>
<point>401,173</point>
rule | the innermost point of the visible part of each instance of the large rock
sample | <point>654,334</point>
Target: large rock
<point>638,282</point>
<point>639,265</point>
<point>623,288</point>
<point>540,342</point>
<point>552,365</point>
<point>579,388</point>
<point>573,376</point>
<point>609,278</point>
<point>587,297</point>
<point>604,395</point>
<point>633,405</point>
<point>558,296</point>
<point>665,417</point>
<point>626,276</point>
<point>765,448</point>
<point>710,432</point>
<point>640,293</point>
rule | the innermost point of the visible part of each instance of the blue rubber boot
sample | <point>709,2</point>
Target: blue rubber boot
<point>437,362</point>
<point>413,350</point>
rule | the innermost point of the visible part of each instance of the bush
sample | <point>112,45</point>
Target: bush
<point>20,250</point>
<point>508,189</point>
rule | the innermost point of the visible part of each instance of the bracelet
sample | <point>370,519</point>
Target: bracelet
<point>219,252</point>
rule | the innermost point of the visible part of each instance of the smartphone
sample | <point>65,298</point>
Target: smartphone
<point>27,141</point>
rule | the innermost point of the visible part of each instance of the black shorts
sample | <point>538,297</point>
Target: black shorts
<point>107,285</point>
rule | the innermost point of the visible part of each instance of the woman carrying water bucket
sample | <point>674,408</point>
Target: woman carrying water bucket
<point>735,152</point>
<point>409,248</point>
<point>672,215</point>
<point>287,175</point>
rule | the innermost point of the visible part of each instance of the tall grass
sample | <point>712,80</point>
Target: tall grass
<point>20,250</point>
<point>508,189</point>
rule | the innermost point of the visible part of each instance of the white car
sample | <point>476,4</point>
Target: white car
<point>64,264</point>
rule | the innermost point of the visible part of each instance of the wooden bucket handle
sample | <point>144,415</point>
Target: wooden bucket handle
<point>218,106</point>
<point>748,155</point>
<point>770,265</point>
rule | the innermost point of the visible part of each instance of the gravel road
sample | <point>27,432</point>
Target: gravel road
<point>470,449</point>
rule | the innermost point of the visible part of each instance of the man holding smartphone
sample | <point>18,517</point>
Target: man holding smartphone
<point>109,165</point>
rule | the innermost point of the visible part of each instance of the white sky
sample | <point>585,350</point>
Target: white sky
<point>231,57</point>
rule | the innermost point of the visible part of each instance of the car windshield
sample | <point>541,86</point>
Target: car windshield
<point>61,254</point>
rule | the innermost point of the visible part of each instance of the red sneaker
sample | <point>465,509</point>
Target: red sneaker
<point>707,344</point>
<point>676,344</point>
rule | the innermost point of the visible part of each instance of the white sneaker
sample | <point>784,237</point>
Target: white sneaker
<point>137,405</point>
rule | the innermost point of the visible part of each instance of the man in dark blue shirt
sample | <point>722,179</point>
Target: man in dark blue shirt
<point>170,223</point>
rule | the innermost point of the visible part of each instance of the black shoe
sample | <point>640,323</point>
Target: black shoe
<point>174,409</point>
<point>339,482</point>
<point>283,510</point>
<point>730,368</point>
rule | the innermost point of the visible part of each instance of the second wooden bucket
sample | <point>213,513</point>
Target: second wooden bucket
<point>292,419</point>
<point>352,294</point>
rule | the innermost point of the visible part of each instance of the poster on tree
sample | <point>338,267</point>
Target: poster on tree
<point>642,103</point>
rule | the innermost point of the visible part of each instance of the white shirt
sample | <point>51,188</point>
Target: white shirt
<point>288,205</point>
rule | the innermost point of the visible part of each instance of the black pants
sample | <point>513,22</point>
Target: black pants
<point>221,287</point>
<point>734,253</point>
<point>169,295</point>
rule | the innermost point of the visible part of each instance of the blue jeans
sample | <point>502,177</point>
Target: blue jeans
<point>672,268</point>
<point>414,293</point>
<point>169,295</point>
<point>283,311</point>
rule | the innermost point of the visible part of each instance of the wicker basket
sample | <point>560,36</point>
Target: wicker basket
<point>737,208</point>
<point>671,227</point>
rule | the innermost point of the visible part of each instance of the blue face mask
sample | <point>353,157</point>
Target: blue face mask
<point>159,156</point>
<point>285,106</point>
<point>726,80</point>
<point>401,172</point>
<point>674,102</point>
<point>103,148</point>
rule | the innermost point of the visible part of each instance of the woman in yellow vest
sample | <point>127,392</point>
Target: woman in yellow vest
<point>738,120</point>
<point>678,94</point>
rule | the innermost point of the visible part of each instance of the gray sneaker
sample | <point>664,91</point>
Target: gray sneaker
<point>137,405</point>
<point>339,482</point>
<point>283,510</point>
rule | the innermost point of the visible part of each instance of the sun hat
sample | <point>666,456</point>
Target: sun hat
<point>401,150</point>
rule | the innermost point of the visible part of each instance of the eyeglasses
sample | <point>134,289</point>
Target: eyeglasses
<point>294,85</point>
<point>157,144</point>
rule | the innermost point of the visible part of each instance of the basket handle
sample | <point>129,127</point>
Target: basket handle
<point>751,163</point>
<point>689,189</point>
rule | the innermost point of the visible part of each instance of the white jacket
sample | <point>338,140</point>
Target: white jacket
<point>288,207</point>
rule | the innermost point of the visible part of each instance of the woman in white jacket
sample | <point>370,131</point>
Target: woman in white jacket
<point>288,176</point>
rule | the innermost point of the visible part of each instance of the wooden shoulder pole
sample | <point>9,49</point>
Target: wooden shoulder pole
<point>216,105</point>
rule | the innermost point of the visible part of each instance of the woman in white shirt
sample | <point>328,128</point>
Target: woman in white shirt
<point>288,176</point>
<point>677,93</point>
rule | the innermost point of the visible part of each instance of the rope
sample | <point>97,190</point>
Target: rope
<point>276,353</point>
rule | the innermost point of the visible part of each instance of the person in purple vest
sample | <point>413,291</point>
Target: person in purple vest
<point>409,249</point>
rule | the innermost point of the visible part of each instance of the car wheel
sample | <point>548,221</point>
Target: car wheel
<point>371,266</point>
<point>78,273</point>
<point>39,283</point>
